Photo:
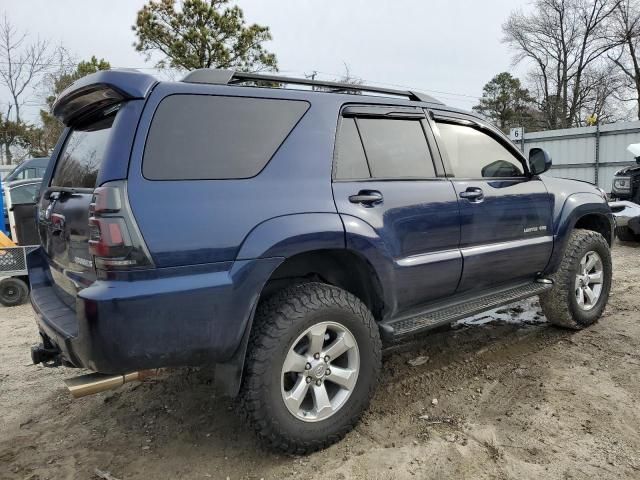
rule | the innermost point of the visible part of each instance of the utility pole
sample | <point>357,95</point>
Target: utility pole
<point>312,76</point>
<point>596,169</point>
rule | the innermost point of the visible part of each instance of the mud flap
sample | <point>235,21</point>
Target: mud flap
<point>228,375</point>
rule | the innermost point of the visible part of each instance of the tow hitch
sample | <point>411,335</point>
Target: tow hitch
<point>45,354</point>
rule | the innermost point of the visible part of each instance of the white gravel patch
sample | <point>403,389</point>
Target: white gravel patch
<point>526,311</point>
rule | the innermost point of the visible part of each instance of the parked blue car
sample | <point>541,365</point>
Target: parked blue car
<point>284,235</point>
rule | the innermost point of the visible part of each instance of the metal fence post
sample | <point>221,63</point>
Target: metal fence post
<point>597,165</point>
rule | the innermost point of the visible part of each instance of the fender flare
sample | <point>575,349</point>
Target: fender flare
<point>289,235</point>
<point>575,207</point>
<point>279,237</point>
<point>362,238</point>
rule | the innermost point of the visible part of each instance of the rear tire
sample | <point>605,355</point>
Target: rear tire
<point>281,368</point>
<point>625,234</point>
<point>577,299</point>
<point>13,291</point>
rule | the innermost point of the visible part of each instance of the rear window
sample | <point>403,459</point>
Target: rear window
<point>198,137</point>
<point>82,156</point>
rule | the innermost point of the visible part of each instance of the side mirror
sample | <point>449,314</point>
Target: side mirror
<point>539,161</point>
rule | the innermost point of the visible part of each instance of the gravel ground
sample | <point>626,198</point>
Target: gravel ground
<point>516,398</point>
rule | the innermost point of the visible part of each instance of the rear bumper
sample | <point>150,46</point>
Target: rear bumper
<point>158,318</point>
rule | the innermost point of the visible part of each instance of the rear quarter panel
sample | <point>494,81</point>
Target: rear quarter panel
<point>187,222</point>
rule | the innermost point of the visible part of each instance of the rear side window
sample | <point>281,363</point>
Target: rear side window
<point>474,154</point>
<point>396,148</point>
<point>198,137</point>
<point>80,160</point>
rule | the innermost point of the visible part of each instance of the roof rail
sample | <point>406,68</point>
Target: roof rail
<point>230,77</point>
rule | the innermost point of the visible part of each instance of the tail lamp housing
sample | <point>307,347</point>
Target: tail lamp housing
<point>115,240</point>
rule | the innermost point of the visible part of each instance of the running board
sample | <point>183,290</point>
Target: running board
<point>402,327</point>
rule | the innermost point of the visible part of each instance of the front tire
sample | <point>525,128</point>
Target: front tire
<point>313,364</point>
<point>625,234</point>
<point>581,284</point>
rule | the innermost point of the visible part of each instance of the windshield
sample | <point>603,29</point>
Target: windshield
<point>34,168</point>
<point>13,175</point>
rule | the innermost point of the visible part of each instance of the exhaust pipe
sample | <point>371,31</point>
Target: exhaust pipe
<point>98,382</point>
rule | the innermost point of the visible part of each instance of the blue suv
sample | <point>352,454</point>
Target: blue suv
<point>283,236</point>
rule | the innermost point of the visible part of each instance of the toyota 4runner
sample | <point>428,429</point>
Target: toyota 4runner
<point>285,235</point>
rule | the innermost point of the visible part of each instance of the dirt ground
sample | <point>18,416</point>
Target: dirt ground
<point>514,400</point>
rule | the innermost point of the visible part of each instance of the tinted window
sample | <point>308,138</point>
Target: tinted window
<point>206,137</point>
<point>83,153</point>
<point>24,194</point>
<point>473,154</point>
<point>396,148</point>
<point>350,160</point>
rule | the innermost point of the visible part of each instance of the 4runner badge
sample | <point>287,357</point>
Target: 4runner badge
<point>541,228</point>
<point>83,261</point>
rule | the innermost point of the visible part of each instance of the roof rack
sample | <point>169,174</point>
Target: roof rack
<point>231,77</point>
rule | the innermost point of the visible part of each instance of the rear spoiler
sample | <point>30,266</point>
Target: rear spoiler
<point>99,91</point>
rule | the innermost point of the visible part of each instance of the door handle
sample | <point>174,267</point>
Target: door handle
<point>367,197</point>
<point>473,194</point>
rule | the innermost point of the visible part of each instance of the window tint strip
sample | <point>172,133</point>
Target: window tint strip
<point>364,151</point>
<point>351,163</point>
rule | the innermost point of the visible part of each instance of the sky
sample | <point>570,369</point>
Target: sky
<point>447,48</point>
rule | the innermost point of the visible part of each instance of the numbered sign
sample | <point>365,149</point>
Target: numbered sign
<point>516,134</point>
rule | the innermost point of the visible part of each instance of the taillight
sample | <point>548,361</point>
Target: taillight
<point>114,238</point>
<point>106,237</point>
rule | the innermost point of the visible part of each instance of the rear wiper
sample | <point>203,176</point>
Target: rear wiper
<point>65,190</point>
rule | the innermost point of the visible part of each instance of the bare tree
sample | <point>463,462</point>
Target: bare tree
<point>346,78</point>
<point>566,41</point>
<point>600,96</point>
<point>626,30</point>
<point>21,64</point>
<point>349,79</point>
<point>63,64</point>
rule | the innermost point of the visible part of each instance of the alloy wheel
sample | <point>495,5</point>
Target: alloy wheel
<point>589,278</point>
<point>320,371</point>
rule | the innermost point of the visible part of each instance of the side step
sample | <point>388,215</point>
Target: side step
<point>402,327</point>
